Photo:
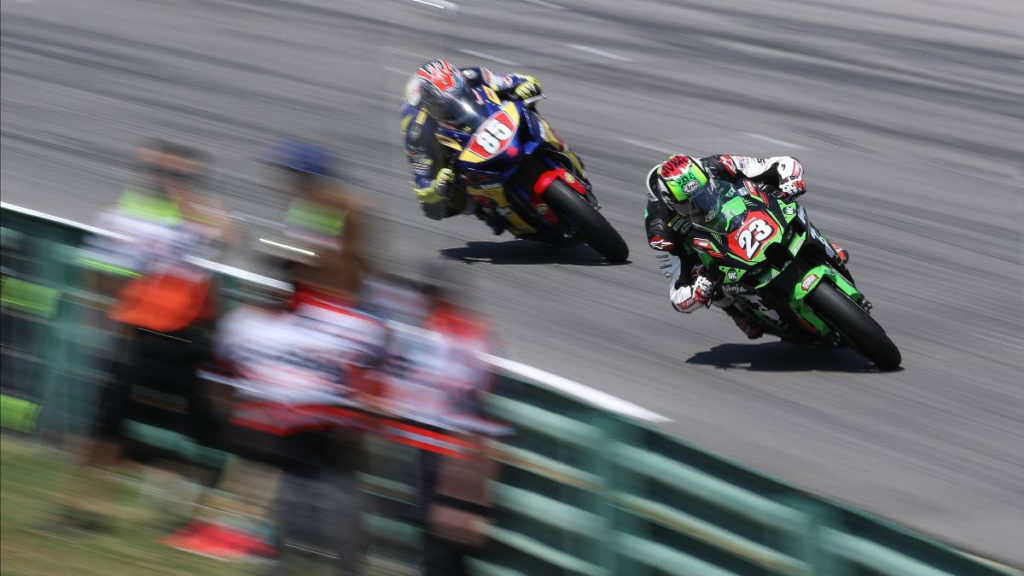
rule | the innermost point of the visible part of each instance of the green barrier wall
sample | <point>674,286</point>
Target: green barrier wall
<point>582,491</point>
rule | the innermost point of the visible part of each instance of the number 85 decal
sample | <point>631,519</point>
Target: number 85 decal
<point>752,235</point>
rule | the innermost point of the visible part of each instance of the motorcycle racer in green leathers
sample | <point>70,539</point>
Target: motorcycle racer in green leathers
<point>670,185</point>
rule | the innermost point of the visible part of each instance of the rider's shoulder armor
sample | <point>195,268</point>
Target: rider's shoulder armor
<point>416,127</point>
<point>722,167</point>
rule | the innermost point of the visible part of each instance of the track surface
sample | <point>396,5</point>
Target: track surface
<point>907,115</point>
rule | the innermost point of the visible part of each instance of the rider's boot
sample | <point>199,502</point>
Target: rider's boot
<point>496,222</point>
<point>750,327</point>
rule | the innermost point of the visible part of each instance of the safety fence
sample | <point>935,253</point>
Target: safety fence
<point>586,488</point>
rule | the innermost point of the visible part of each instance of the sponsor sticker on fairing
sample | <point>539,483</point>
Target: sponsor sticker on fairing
<point>488,186</point>
<point>808,282</point>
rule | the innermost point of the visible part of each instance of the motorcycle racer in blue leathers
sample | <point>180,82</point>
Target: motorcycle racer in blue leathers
<point>432,98</point>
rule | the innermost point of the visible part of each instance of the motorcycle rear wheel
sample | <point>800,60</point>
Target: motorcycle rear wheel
<point>588,222</point>
<point>855,325</point>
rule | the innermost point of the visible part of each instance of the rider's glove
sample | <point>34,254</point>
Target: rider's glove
<point>527,89</point>
<point>702,288</point>
<point>438,189</point>
<point>687,298</point>
<point>790,188</point>
<point>444,180</point>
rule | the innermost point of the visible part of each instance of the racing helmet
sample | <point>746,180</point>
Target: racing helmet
<point>677,179</point>
<point>436,85</point>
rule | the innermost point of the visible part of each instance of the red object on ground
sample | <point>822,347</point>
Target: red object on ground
<point>221,542</point>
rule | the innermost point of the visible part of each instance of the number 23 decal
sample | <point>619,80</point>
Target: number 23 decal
<point>752,235</point>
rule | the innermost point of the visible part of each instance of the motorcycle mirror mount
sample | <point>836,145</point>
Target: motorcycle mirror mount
<point>533,99</point>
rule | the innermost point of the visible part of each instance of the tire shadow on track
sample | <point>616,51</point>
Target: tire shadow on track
<point>782,357</point>
<point>526,252</point>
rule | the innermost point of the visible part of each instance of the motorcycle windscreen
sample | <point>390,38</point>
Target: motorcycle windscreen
<point>717,208</point>
<point>465,109</point>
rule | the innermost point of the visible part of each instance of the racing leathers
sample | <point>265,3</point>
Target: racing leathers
<point>669,233</point>
<point>434,180</point>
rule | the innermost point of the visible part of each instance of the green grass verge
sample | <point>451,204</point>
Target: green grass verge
<point>31,543</point>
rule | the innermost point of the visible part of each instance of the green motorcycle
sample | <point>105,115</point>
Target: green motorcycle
<point>766,255</point>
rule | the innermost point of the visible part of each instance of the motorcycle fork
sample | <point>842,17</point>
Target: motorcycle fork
<point>830,252</point>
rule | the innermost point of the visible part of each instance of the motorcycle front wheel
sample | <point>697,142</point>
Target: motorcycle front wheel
<point>855,325</point>
<point>588,222</point>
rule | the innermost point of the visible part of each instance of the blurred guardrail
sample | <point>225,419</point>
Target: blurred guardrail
<point>589,485</point>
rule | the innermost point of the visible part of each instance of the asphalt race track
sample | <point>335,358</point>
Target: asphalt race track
<point>907,114</point>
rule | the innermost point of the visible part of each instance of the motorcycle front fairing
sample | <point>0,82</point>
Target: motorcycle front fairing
<point>765,253</point>
<point>494,144</point>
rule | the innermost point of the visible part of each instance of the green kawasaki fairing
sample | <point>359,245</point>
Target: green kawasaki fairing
<point>766,255</point>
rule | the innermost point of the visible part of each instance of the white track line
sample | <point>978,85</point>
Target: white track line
<point>297,250</point>
<point>545,4</point>
<point>789,145</point>
<point>649,146</point>
<point>487,56</point>
<point>599,52</point>
<point>579,391</point>
<point>410,53</point>
<point>439,4</point>
<point>998,341</point>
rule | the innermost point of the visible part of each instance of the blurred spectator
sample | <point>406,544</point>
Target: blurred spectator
<point>164,306</point>
<point>455,490</point>
<point>437,378</point>
<point>299,374</point>
<point>394,299</point>
<point>325,225</point>
<point>235,519</point>
<point>467,333</point>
